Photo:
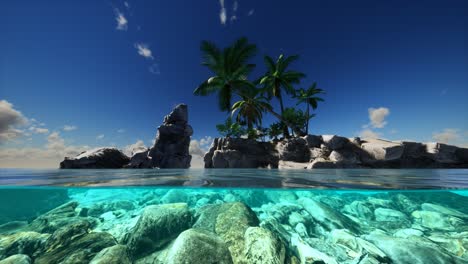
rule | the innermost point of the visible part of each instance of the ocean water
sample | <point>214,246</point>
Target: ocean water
<point>233,216</point>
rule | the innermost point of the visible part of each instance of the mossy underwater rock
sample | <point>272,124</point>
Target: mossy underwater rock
<point>17,259</point>
<point>28,243</point>
<point>198,246</point>
<point>262,246</point>
<point>114,254</point>
<point>157,226</point>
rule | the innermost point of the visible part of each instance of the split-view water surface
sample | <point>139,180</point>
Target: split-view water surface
<point>234,216</point>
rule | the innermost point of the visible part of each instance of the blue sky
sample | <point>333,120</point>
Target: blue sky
<point>110,70</point>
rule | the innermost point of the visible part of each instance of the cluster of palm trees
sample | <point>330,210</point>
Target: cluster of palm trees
<point>231,68</point>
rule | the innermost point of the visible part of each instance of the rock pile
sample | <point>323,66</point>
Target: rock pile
<point>331,151</point>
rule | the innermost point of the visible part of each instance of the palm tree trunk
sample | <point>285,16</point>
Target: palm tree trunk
<point>285,127</point>
<point>307,121</point>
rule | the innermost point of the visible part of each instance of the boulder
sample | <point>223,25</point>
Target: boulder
<point>99,158</point>
<point>113,254</point>
<point>313,141</point>
<point>262,246</point>
<point>346,156</point>
<point>171,147</point>
<point>156,227</point>
<point>437,221</point>
<point>382,150</point>
<point>442,153</point>
<point>293,149</point>
<point>28,243</point>
<point>334,142</point>
<point>241,153</point>
<point>389,215</point>
<point>410,250</point>
<point>17,259</point>
<point>198,246</point>
<point>139,159</point>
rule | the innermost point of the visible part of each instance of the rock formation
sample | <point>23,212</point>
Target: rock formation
<point>331,151</point>
<point>99,158</point>
<point>171,148</point>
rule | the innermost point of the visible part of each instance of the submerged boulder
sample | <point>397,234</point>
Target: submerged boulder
<point>99,158</point>
<point>113,254</point>
<point>17,259</point>
<point>28,243</point>
<point>157,226</point>
<point>262,246</point>
<point>171,147</point>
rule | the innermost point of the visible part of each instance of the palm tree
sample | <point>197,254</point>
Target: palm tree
<point>230,68</point>
<point>310,98</point>
<point>250,108</point>
<point>278,78</point>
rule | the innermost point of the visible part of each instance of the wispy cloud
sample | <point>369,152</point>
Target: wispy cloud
<point>377,116</point>
<point>131,149</point>
<point>38,130</point>
<point>121,130</point>
<point>122,22</point>
<point>144,50</point>
<point>101,136</point>
<point>154,69</point>
<point>368,133</point>
<point>222,13</point>
<point>235,6</point>
<point>251,12</point>
<point>69,128</point>
<point>448,135</point>
<point>126,4</point>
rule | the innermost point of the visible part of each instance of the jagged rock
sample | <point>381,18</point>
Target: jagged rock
<point>113,254</point>
<point>140,159</point>
<point>436,221</point>
<point>99,158</point>
<point>198,246</point>
<point>334,142</point>
<point>17,259</point>
<point>382,150</point>
<point>74,244</point>
<point>100,208</point>
<point>313,141</point>
<point>171,147</point>
<point>345,156</point>
<point>29,202</point>
<point>443,210</point>
<point>156,227</point>
<point>241,153</point>
<point>389,215</point>
<point>410,250</point>
<point>262,246</point>
<point>359,209</point>
<point>28,243</point>
<point>293,149</point>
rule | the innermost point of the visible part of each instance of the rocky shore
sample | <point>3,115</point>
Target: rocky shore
<point>242,226</point>
<point>331,151</point>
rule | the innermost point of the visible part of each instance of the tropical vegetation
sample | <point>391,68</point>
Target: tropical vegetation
<point>231,67</point>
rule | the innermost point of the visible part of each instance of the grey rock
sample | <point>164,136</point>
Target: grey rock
<point>346,156</point>
<point>293,149</point>
<point>262,246</point>
<point>171,147</point>
<point>17,259</point>
<point>28,243</point>
<point>382,150</point>
<point>442,153</point>
<point>313,141</point>
<point>140,159</point>
<point>198,246</point>
<point>100,158</point>
<point>359,209</point>
<point>334,142</point>
<point>389,215</point>
<point>156,227</point>
<point>113,254</point>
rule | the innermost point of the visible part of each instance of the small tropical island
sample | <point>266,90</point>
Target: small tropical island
<point>285,144</point>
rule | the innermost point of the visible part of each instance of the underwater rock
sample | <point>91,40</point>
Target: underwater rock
<point>29,203</point>
<point>175,196</point>
<point>28,243</point>
<point>408,232</point>
<point>436,221</point>
<point>198,246</point>
<point>113,254</point>
<point>443,210</point>
<point>12,226</point>
<point>241,153</point>
<point>99,158</point>
<point>308,254</point>
<point>171,146</point>
<point>156,227</point>
<point>327,217</point>
<point>100,208</point>
<point>262,246</point>
<point>17,259</point>
<point>389,215</point>
<point>359,209</point>
<point>410,250</point>
<point>293,149</point>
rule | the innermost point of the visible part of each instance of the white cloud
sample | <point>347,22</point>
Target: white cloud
<point>48,156</point>
<point>448,136</point>
<point>377,116</point>
<point>144,50</point>
<point>222,13</point>
<point>69,128</point>
<point>139,145</point>
<point>122,22</point>
<point>101,136</point>
<point>126,4</point>
<point>197,149</point>
<point>206,142</point>
<point>235,5</point>
<point>251,12</point>
<point>10,120</point>
<point>368,133</point>
<point>121,130</point>
<point>39,130</point>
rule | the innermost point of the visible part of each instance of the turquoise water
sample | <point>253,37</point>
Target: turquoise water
<point>233,216</point>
